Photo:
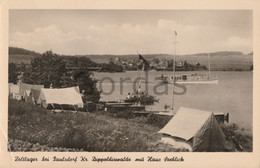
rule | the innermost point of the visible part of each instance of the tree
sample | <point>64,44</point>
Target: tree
<point>49,68</point>
<point>143,98</point>
<point>170,63</point>
<point>46,69</point>
<point>105,67</point>
<point>186,66</point>
<point>118,68</point>
<point>13,73</point>
<point>87,85</point>
<point>156,60</point>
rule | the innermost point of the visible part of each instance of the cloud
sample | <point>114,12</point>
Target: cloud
<point>127,38</point>
<point>236,43</point>
<point>43,39</point>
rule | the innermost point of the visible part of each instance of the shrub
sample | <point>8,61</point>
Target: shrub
<point>238,137</point>
<point>143,98</point>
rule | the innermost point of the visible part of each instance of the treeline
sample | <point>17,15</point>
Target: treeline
<point>111,67</point>
<point>72,61</point>
<point>221,61</point>
<point>190,67</point>
<point>78,61</point>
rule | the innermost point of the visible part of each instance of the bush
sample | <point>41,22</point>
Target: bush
<point>143,98</point>
<point>238,137</point>
<point>13,73</point>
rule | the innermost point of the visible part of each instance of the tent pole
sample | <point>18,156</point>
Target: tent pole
<point>61,107</point>
<point>210,133</point>
<point>173,70</point>
<point>74,108</point>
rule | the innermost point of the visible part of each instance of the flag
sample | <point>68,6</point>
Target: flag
<point>142,58</point>
<point>175,33</point>
<point>144,62</point>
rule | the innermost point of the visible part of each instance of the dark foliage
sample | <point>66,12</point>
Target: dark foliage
<point>87,85</point>
<point>13,73</point>
<point>143,98</point>
<point>241,139</point>
<point>50,68</point>
<point>46,69</point>
<point>21,51</point>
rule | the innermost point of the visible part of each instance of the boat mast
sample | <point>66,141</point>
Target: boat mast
<point>138,73</point>
<point>173,69</point>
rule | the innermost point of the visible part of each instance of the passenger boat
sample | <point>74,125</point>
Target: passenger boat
<point>189,78</point>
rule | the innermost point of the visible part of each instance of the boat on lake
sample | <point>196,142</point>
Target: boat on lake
<point>188,79</point>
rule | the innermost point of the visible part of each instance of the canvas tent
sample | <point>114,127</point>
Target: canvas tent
<point>26,89</point>
<point>15,92</point>
<point>27,95</point>
<point>35,95</point>
<point>196,128</point>
<point>62,96</point>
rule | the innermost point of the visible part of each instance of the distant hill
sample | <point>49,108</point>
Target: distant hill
<point>21,51</point>
<point>221,60</point>
<point>18,55</point>
<point>218,53</point>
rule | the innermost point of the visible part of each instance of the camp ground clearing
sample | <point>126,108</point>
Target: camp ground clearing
<point>31,124</point>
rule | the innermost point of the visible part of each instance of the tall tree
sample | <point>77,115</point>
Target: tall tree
<point>46,69</point>
<point>49,68</point>
<point>87,85</point>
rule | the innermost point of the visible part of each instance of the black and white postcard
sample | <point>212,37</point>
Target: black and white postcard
<point>94,84</point>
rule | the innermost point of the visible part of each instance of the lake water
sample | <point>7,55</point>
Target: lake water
<point>233,94</point>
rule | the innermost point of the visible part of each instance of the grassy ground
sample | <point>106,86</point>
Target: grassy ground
<point>87,131</point>
<point>99,131</point>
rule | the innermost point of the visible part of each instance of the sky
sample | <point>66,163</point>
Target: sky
<point>82,32</point>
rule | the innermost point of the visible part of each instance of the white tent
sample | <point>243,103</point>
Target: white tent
<point>62,96</point>
<point>15,92</point>
<point>26,88</point>
<point>197,128</point>
<point>35,95</point>
<point>27,95</point>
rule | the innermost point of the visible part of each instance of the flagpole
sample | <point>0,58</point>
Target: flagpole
<point>138,74</point>
<point>173,70</point>
<point>137,60</point>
